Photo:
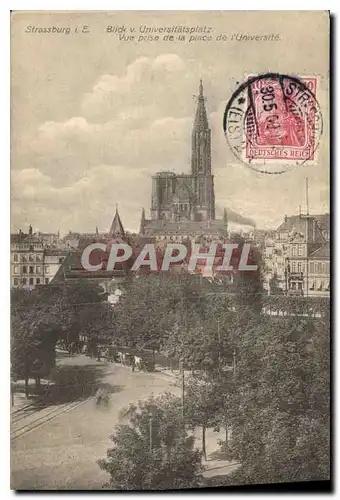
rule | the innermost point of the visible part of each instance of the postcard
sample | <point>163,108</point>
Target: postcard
<point>170,249</point>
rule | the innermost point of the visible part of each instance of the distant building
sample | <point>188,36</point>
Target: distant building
<point>53,259</point>
<point>31,263</point>
<point>49,239</point>
<point>72,270</point>
<point>27,260</point>
<point>183,206</point>
<point>319,271</point>
<point>299,248</point>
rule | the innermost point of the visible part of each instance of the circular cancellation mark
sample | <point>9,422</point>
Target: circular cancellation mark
<point>273,122</point>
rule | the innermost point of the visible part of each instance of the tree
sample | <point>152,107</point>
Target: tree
<point>248,285</point>
<point>280,411</point>
<point>153,451</point>
<point>41,316</point>
<point>203,404</point>
<point>32,347</point>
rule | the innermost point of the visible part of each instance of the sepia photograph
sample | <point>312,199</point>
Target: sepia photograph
<point>170,277</point>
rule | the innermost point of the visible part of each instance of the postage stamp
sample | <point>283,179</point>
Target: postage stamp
<point>273,122</point>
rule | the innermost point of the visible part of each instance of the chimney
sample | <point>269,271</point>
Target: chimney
<point>286,218</point>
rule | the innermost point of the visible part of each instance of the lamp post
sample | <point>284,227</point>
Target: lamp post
<point>150,433</point>
<point>219,346</point>
<point>234,365</point>
<point>183,386</point>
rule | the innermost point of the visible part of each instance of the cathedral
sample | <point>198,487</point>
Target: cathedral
<point>183,206</point>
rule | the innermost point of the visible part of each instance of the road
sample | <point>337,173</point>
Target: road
<point>62,452</point>
<point>56,446</point>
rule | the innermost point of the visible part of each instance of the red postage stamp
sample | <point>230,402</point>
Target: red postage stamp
<point>273,122</point>
<point>277,125</point>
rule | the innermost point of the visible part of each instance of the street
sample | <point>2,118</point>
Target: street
<point>57,446</point>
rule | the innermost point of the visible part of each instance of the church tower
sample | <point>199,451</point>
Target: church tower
<point>201,161</point>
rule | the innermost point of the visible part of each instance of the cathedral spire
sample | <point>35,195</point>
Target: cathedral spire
<point>201,120</point>
<point>201,88</point>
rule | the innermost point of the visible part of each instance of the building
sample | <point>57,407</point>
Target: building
<point>27,259</point>
<point>49,239</point>
<point>31,263</point>
<point>74,241</point>
<point>183,206</point>
<point>319,271</point>
<point>298,255</point>
<point>53,258</point>
<point>71,269</point>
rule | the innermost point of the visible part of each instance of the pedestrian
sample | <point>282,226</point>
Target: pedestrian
<point>99,396</point>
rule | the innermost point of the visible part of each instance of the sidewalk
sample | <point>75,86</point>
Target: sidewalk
<point>217,463</point>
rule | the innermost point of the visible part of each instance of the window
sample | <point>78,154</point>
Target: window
<point>24,258</point>
<point>31,281</point>
<point>16,270</point>
<point>299,267</point>
<point>15,281</point>
<point>300,250</point>
<point>37,281</point>
<point>38,270</point>
<point>327,267</point>
<point>31,258</point>
<point>24,281</point>
<point>24,269</point>
<point>293,267</point>
<point>294,251</point>
<point>311,267</point>
<point>31,248</point>
<point>319,264</point>
<point>31,269</point>
<point>200,193</point>
<point>38,258</point>
<point>15,258</point>
<point>47,269</point>
<point>47,280</point>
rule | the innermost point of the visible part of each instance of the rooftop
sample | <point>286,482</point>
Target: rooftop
<point>322,253</point>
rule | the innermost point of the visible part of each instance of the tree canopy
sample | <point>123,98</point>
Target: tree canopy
<point>152,451</point>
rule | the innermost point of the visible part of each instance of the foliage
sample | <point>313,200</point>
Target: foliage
<point>165,460</point>
<point>275,288</point>
<point>206,402</point>
<point>280,414</point>
<point>41,316</point>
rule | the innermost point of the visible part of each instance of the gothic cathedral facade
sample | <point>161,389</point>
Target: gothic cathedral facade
<point>186,202</point>
<point>191,196</point>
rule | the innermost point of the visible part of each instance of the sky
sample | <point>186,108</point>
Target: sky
<point>94,117</point>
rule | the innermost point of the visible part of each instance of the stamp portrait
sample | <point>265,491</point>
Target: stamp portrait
<point>274,120</point>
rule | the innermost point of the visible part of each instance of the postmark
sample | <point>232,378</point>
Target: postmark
<point>273,122</point>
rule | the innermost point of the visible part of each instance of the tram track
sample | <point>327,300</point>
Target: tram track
<point>42,419</point>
